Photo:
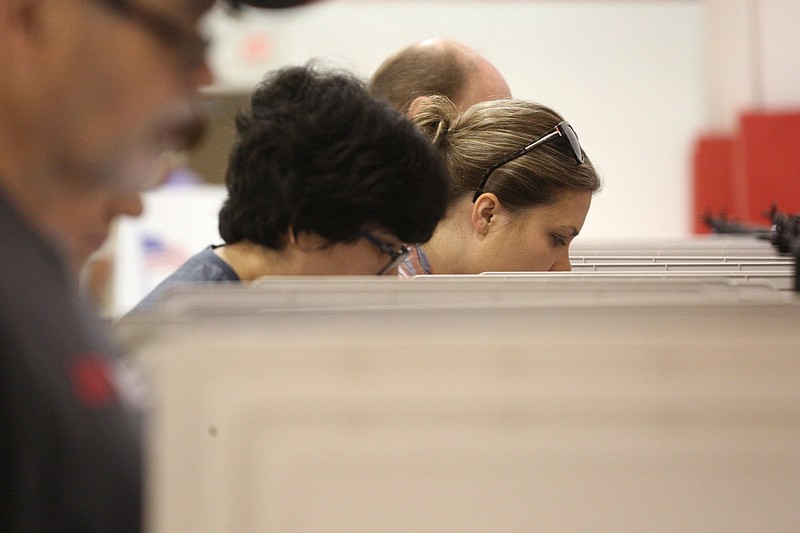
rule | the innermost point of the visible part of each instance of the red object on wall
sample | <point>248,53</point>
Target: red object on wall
<point>770,144</point>
<point>741,176</point>
<point>713,180</point>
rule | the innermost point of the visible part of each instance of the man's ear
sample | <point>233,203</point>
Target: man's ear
<point>484,212</point>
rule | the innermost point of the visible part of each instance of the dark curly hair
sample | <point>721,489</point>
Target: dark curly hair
<point>318,153</point>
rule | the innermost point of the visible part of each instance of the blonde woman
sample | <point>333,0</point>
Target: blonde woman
<point>520,188</point>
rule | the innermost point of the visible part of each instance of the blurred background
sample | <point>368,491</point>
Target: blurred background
<point>641,80</point>
<point>687,107</point>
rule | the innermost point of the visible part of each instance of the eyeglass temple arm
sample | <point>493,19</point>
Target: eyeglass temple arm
<point>518,153</point>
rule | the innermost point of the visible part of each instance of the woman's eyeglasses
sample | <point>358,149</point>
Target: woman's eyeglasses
<point>396,255</point>
<point>562,129</point>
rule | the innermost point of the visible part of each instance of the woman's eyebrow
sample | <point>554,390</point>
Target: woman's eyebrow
<point>572,230</point>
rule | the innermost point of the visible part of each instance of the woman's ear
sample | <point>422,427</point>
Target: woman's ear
<point>484,212</point>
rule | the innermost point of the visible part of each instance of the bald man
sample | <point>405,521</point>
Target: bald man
<point>438,66</point>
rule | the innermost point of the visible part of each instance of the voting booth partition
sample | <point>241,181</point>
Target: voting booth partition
<point>609,401</point>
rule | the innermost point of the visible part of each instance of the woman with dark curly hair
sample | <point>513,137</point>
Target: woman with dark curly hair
<point>324,178</point>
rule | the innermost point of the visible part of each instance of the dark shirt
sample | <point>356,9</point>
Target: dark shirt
<point>202,267</point>
<point>70,445</point>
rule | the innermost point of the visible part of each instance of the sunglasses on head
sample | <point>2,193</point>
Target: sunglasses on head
<point>562,129</point>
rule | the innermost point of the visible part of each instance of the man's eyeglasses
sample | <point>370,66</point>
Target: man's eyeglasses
<point>562,129</point>
<point>190,46</point>
<point>397,255</point>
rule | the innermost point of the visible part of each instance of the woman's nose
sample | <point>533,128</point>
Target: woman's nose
<point>562,264</point>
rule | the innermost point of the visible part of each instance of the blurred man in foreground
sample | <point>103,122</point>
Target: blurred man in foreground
<point>92,93</point>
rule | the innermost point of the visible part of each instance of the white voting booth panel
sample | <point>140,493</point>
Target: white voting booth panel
<point>695,266</point>
<point>550,418</point>
<point>678,259</point>
<point>737,258</point>
<point>718,245</point>
<point>272,295</point>
<point>778,280</point>
<point>685,263</point>
<point>641,393</point>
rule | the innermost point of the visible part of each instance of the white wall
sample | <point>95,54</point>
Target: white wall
<point>778,45</point>
<point>752,58</point>
<point>732,61</point>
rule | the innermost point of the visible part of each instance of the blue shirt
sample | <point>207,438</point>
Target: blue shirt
<point>201,268</point>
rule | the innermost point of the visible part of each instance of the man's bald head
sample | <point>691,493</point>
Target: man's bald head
<point>438,66</point>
